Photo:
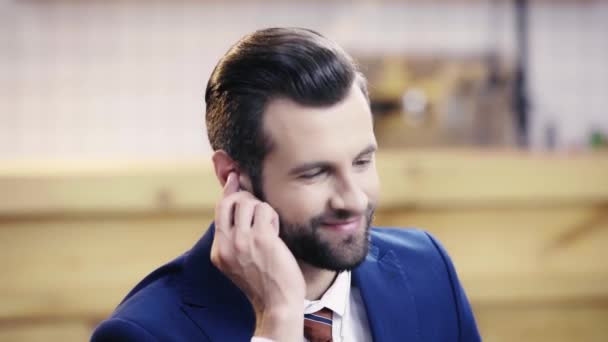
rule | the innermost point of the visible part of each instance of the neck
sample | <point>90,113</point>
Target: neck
<point>317,280</point>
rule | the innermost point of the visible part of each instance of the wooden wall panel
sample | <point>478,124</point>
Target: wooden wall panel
<point>64,331</point>
<point>527,236</point>
<point>66,268</point>
<point>543,323</point>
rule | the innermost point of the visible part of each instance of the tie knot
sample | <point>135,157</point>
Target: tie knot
<point>317,326</point>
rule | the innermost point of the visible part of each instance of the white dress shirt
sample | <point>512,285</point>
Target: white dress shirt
<point>349,321</point>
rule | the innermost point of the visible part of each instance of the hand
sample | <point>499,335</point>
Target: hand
<point>247,249</point>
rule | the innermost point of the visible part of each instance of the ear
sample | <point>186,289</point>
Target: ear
<point>224,165</point>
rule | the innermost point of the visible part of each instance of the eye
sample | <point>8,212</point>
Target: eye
<point>362,162</point>
<point>312,174</point>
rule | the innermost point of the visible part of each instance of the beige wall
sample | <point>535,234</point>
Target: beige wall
<point>125,79</point>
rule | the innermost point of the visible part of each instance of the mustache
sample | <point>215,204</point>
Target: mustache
<point>340,215</point>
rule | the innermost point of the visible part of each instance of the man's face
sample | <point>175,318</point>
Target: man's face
<point>321,179</point>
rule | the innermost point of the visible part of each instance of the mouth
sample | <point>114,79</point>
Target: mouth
<point>349,225</point>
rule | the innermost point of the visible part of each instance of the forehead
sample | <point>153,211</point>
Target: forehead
<point>301,133</point>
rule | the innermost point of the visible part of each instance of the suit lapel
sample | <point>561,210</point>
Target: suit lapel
<point>390,306</point>
<point>211,300</point>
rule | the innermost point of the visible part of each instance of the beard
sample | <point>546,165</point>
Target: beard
<point>309,244</point>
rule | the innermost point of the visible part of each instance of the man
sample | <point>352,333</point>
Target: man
<point>291,255</point>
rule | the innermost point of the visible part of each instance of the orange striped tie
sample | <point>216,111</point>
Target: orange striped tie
<point>317,326</point>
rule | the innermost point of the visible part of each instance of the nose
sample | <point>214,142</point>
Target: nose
<point>349,196</point>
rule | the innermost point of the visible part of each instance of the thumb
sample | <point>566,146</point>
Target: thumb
<point>232,184</point>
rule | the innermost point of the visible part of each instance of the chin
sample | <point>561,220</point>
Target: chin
<point>343,256</point>
<point>325,249</point>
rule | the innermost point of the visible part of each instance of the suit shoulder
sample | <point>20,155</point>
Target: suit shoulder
<point>153,299</point>
<point>412,239</point>
<point>152,305</point>
<point>120,330</point>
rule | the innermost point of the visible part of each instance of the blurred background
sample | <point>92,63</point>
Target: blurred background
<point>491,115</point>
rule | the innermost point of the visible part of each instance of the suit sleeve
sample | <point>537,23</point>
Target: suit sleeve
<point>121,330</point>
<point>468,331</point>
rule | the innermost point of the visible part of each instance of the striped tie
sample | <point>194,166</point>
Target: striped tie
<point>317,326</point>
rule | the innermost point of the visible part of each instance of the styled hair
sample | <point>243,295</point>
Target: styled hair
<point>292,63</point>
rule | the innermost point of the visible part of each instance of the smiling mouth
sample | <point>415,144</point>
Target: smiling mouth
<point>343,225</point>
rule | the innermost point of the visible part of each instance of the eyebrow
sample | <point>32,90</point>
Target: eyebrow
<point>371,148</point>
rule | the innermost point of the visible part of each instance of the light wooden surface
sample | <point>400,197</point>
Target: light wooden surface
<point>527,234</point>
<point>417,178</point>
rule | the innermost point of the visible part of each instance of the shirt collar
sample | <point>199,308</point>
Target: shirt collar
<point>335,298</point>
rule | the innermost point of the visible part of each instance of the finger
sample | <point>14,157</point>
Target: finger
<point>225,210</point>
<point>224,213</point>
<point>265,218</point>
<point>243,214</point>
<point>232,184</point>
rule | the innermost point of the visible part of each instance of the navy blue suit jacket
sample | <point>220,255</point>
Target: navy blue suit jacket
<point>407,281</point>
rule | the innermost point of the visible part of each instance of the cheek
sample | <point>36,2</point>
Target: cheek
<point>298,203</point>
<point>370,185</point>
